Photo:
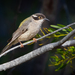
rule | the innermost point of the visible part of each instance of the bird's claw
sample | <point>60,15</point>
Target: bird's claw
<point>22,46</point>
<point>34,40</point>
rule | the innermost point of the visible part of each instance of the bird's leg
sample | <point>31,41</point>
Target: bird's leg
<point>34,40</point>
<point>21,44</point>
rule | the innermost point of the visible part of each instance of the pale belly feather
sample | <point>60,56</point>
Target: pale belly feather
<point>29,34</point>
<point>26,36</point>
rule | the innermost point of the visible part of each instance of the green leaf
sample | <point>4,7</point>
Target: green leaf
<point>58,28</point>
<point>51,30</point>
<point>64,30</point>
<point>56,64</point>
<point>68,62</point>
<point>60,52</point>
<point>61,25</point>
<point>38,36</point>
<point>61,66</point>
<point>55,26</point>
<point>58,49</point>
<point>68,29</point>
<point>55,58</point>
<point>72,47</point>
<point>63,56</point>
<point>73,54</point>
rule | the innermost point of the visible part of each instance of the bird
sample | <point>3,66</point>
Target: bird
<point>27,29</point>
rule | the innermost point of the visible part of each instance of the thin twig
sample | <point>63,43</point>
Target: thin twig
<point>37,39</point>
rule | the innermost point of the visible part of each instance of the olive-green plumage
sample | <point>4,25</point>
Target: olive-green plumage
<point>28,29</point>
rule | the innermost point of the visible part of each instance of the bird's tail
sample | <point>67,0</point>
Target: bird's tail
<point>6,47</point>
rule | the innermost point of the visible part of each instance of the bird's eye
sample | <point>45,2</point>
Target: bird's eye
<point>40,17</point>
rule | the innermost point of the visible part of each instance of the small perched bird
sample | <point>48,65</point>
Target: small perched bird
<point>28,29</point>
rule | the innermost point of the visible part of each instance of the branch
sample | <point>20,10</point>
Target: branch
<point>38,52</point>
<point>36,39</point>
<point>33,54</point>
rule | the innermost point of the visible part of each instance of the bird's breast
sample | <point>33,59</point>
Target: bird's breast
<point>33,29</point>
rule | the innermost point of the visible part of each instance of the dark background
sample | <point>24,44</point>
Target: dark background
<point>12,12</point>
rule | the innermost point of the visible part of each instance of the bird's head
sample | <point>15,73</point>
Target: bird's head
<point>39,17</point>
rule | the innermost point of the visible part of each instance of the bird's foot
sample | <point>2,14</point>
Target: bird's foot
<point>34,40</point>
<point>22,46</point>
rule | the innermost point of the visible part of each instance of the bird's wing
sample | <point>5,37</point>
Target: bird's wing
<point>22,29</point>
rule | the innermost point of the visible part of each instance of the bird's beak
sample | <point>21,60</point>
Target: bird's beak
<point>46,19</point>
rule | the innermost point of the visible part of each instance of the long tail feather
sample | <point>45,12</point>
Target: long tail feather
<point>6,47</point>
